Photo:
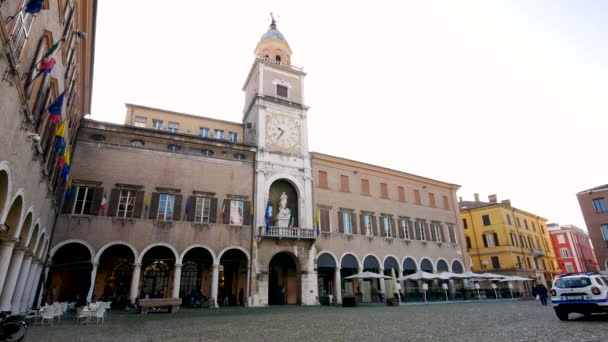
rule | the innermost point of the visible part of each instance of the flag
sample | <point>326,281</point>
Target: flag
<point>68,160</point>
<point>62,157</point>
<point>147,203</point>
<point>68,183</point>
<point>68,191</point>
<point>267,216</point>
<point>317,221</point>
<point>222,212</point>
<point>291,219</point>
<point>251,213</point>
<point>59,136</point>
<point>45,67</point>
<point>33,6</point>
<point>104,201</point>
<point>52,49</point>
<point>56,107</point>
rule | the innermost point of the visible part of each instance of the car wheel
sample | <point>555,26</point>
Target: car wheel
<point>562,315</point>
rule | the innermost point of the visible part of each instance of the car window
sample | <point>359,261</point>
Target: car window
<point>572,283</point>
<point>599,281</point>
<point>605,280</point>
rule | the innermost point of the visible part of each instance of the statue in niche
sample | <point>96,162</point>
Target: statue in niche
<point>283,210</point>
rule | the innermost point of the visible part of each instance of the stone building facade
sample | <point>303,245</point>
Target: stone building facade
<point>595,211</point>
<point>31,188</point>
<point>174,204</point>
<point>572,248</point>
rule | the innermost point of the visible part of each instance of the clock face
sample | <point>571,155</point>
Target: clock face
<point>282,131</point>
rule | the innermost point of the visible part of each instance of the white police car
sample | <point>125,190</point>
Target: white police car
<point>583,293</point>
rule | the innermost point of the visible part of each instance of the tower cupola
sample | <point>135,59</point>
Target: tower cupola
<point>273,45</point>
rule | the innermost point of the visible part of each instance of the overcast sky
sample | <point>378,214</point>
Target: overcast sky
<point>501,97</point>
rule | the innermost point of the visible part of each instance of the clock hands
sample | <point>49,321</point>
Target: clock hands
<point>282,131</point>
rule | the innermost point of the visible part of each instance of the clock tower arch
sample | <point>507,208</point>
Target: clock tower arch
<point>275,120</point>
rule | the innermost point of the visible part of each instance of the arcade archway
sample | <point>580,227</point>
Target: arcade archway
<point>195,284</point>
<point>114,275</point>
<point>283,278</point>
<point>70,273</point>
<point>157,272</point>
<point>232,285</point>
<point>349,265</point>
<point>326,276</point>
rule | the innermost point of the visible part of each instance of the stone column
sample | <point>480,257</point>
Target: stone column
<point>11,279</point>
<point>6,250</point>
<point>214,284</point>
<point>134,291</point>
<point>383,285</point>
<point>35,284</point>
<point>401,282</point>
<point>338,285</point>
<point>360,282</point>
<point>177,280</point>
<point>43,287</point>
<point>93,278</point>
<point>248,298</point>
<point>31,282</point>
<point>20,289</point>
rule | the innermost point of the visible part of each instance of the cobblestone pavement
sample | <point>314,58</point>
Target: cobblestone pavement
<point>482,321</point>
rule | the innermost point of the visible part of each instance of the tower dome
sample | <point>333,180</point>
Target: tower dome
<point>273,45</point>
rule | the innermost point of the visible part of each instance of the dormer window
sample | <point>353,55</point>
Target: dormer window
<point>282,91</point>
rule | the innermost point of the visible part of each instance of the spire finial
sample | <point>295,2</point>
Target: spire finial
<point>273,23</point>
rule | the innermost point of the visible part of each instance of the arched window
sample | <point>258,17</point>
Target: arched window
<point>278,58</point>
<point>190,277</point>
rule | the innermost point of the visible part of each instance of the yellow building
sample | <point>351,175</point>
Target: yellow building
<point>505,240</point>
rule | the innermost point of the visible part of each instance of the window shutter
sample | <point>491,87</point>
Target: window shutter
<point>153,213</point>
<point>496,239</point>
<point>485,242</point>
<point>191,204</point>
<point>69,205</point>
<point>325,220</point>
<point>68,24</point>
<point>213,211</point>
<point>177,207</point>
<point>44,93</point>
<point>442,233</point>
<point>383,230</point>
<point>362,220</point>
<point>226,207</point>
<point>374,226</point>
<point>393,227</point>
<point>353,222</point>
<point>340,222</point>
<point>417,231</point>
<point>113,205</point>
<point>96,201</point>
<point>32,74</point>
<point>246,213</point>
<point>139,203</point>
<point>401,232</point>
<point>428,231</point>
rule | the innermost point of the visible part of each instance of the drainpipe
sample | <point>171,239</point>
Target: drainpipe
<point>253,232</point>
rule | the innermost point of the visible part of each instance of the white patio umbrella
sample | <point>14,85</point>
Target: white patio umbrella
<point>469,274</point>
<point>420,275</point>
<point>449,275</point>
<point>515,278</point>
<point>367,275</point>
<point>492,275</point>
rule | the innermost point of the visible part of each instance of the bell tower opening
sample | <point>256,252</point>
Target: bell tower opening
<point>273,43</point>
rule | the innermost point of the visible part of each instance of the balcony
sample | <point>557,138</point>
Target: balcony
<point>537,252</point>
<point>294,233</point>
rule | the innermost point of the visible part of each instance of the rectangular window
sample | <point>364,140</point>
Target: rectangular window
<point>126,203</point>
<point>464,222</point>
<point>452,234</point>
<point>495,262</point>
<point>202,210</point>
<point>365,186</point>
<point>421,229</point>
<point>157,124</point>
<point>324,220</point>
<point>533,226</point>
<point>509,219</point>
<point>348,228</point>
<point>232,136</point>
<point>165,207</point>
<point>446,202</point>
<point>518,262</point>
<point>405,229</point>
<point>564,252</point>
<point>468,241</point>
<point>417,197</point>
<point>514,240</point>
<point>236,213</point>
<point>518,222</point>
<point>84,199</point>
<point>523,241</point>
<point>561,239</point>
<point>432,200</point>
<point>528,262</point>
<point>531,242</point>
<point>526,224</point>
<point>383,190</point>
<point>344,185</point>
<point>401,192</point>
<point>367,225</point>
<point>569,267</point>
<point>173,127</point>
<point>140,121</point>
<point>386,225</point>
<point>489,240</point>
<point>203,132</point>
<point>604,230</point>
<point>21,32</point>
<point>600,205</point>
<point>323,179</point>
<point>436,232</point>
<point>282,90</point>
<point>486,220</point>
<point>219,134</point>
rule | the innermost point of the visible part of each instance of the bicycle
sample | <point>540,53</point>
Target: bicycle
<point>12,328</point>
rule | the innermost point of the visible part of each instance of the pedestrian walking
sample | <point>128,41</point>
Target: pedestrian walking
<point>542,293</point>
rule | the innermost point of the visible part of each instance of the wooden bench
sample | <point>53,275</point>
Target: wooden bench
<point>171,303</point>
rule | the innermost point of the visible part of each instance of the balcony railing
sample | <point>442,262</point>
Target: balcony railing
<point>287,233</point>
<point>537,251</point>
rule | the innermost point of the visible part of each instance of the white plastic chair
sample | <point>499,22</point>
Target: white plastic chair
<point>109,306</point>
<point>58,308</point>
<point>100,313</point>
<point>71,307</point>
<point>82,314</point>
<point>48,314</point>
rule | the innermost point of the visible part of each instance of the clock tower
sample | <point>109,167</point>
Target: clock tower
<point>274,117</point>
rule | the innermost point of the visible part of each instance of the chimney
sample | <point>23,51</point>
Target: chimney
<point>476,197</point>
<point>506,202</point>
<point>492,199</point>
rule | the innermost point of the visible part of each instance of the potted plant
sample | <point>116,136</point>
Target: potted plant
<point>349,301</point>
